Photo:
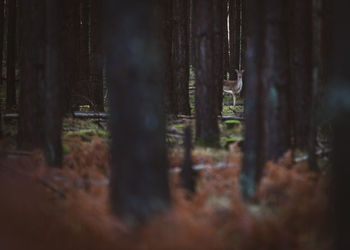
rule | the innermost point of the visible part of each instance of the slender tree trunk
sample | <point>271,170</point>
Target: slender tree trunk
<point>252,163</point>
<point>11,56</point>
<point>32,101</point>
<point>181,55</point>
<point>85,90</point>
<point>53,82</point>
<point>233,34</point>
<point>244,34</point>
<point>167,27</point>
<point>226,54</point>
<point>71,52</point>
<point>207,131</point>
<point>300,37</point>
<point>218,43</point>
<point>139,177</point>
<point>96,60</point>
<point>1,57</point>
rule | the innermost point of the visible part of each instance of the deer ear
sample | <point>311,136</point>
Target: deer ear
<point>242,71</point>
<point>237,71</point>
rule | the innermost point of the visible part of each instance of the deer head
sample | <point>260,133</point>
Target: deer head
<point>239,73</point>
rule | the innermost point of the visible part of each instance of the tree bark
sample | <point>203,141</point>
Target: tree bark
<point>226,54</point>
<point>96,59</point>
<point>300,37</point>
<point>207,131</point>
<point>1,57</point>
<point>31,101</point>
<point>71,52</point>
<point>139,174</point>
<point>181,55</point>
<point>218,6</point>
<point>11,55</point>
<point>275,81</point>
<point>252,163</point>
<point>53,83</point>
<point>233,15</point>
<point>84,92</point>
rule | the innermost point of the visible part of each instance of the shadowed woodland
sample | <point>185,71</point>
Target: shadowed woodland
<point>174,124</point>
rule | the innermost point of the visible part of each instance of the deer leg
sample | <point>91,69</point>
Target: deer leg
<point>234,100</point>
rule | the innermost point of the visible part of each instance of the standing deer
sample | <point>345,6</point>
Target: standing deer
<point>234,87</point>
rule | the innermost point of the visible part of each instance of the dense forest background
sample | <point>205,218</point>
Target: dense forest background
<point>119,126</point>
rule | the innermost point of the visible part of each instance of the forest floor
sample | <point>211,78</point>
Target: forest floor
<point>43,208</point>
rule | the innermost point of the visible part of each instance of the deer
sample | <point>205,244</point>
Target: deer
<point>234,87</point>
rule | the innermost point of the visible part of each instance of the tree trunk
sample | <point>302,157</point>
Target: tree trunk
<point>275,81</point>
<point>339,111</point>
<point>181,55</point>
<point>53,80</point>
<point>166,41</point>
<point>96,59</point>
<point>233,15</point>
<point>11,56</point>
<point>1,57</point>
<point>252,164</point>
<point>83,96</point>
<point>139,177</point>
<point>71,52</point>
<point>300,37</point>
<point>207,131</point>
<point>218,52</point>
<point>226,54</point>
<point>32,101</point>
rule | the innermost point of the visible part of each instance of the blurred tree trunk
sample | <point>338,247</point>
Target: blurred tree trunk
<point>300,37</point>
<point>339,111</point>
<point>181,55</point>
<point>192,50</point>
<point>233,15</point>
<point>2,11</point>
<point>244,35</point>
<point>167,30</point>
<point>11,56</point>
<point>275,81</point>
<point>96,58</point>
<point>40,109</point>
<point>218,6</point>
<point>207,131</point>
<point>53,82</point>
<point>32,101</point>
<point>226,54</point>
<point>139,177</point>
<point>71,52</point>
<point>84,91</point>
<point>252,163</point>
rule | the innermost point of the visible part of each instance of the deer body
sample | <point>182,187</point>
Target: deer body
<point>234,87</point>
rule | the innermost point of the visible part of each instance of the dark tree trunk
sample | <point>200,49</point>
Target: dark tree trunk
<point>71,52</point>
<point>11,56</point>
<point>40,109</point>
<point>252,164</point>
<point>207,131</point>
<point>84,92</point>
<point>1,57</point>
<point>339,110</point>
<point>167,27</point>
<point>275,81</point>
<point>218,43</point>
<point>181,55</point>
<point>139,178</point>
<point>53,80</point>
<point>96,59</point>
<point>244,35</point>
<point>226,54</point>
<point>32,101</point>
<point>300,37</point>
<point>192,50</point>
<point>233,15</point>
